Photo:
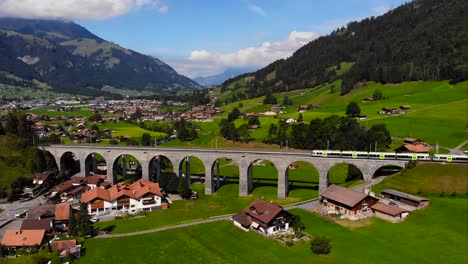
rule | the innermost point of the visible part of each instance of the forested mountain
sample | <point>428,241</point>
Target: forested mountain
<point>420,40</point>
<point>71,59</point>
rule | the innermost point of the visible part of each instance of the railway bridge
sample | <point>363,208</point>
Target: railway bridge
<point>150,157</point>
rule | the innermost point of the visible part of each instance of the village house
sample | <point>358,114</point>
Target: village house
<point>389,111</point>
<point>414,145</point>
<point>405,198</point>
<point>390,213</point>
<point>66,247</point>
<point>347,202</point>
<point>141,195</point>
<point>77,185</point>
<point>15,239</point>
<point>56,216</point>
<point>264,217</point>
<point>44,178</point>
<point>290,121</point>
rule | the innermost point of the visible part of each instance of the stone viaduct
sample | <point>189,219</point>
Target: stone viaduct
<point>209,157</point>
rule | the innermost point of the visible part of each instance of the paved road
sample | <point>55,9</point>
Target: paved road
<point>10,209</point>
<point>457,149</point>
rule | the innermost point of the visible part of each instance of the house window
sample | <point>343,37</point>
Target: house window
<point>133,205</point>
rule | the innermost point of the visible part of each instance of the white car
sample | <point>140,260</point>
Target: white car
<point>94,219</point>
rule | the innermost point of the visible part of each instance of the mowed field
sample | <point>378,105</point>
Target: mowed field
<point>424,238</point>
<point>437,114</point>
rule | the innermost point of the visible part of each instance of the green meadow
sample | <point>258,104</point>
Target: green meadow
<point>425,237</point>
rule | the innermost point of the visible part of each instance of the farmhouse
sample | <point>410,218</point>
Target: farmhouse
<point>264,217</point>
<point>47,216</point>
<point>389,213</point>
<point>23,238</point>
<point>347,202</point>
<point>43,178</point>
<point>389,111</point>
<point>419,148</point>
<point>141,195</point>
<point>404,198</point>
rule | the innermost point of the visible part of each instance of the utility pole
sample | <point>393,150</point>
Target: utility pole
<point>376,146</point>
<point>328,144</point>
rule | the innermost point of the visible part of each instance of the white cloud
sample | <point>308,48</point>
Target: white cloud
<point>256,9</point>
<point>74,9</point>
<point>203,62</point>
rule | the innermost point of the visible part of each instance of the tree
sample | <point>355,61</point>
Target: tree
<point>243,133</point>
<point>269,98</point>
<point>193,133</point>
<point>320,245</point>
<point>378,95</point>
<point>300,118</point>
<point>83,221</point>
<point>73,225</point>
<point>235,113</point>
<point>353,109</point>
<point>146,139</point>
<point>253,120</point>
<point>287,101</point>
<point>240,105</point>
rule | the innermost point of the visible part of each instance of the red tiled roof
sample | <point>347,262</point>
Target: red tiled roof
<point>62,211</point>
<point>419,148</point>
<point>343,195</point>
<point>388,209</point>
<point>134,190</point>
<point>242,218</point>
<point>64,186</point>
<point>95,193</point>
<point>20,238</point>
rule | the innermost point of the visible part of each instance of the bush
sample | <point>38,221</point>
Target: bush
<point>320,245</point>
<point>113,142</point>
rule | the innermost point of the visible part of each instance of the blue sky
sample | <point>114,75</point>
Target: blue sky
<point>205,37</point>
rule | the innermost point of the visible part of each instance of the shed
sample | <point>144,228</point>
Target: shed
<point>389,213</point>
<point>405,198</point>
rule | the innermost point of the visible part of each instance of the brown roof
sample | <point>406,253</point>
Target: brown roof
<point>64,186</point>
<point>405,195</point>
<point>263,211</point>
<point>36,224</point>
<point>40,211</point>
<point>343,195</point>
<point>410,140</point>
<point>41,176</point>
<point>388,209</point>
<point>19,238</point>
<point>77,190</point>
<point>62,211</point>
<point>60,245</point>
<point>242,218</point>
<point>419,148</point>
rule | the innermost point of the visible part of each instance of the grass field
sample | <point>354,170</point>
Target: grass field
<point>437,105</point>
<point>84,112</point>
<point>424,238</point>
<point>129,129</point>
<point>430,180</point>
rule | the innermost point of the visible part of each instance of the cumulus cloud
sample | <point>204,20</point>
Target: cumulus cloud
<point>203,62</point>
<point>74,9</point>
<point>256,9</point>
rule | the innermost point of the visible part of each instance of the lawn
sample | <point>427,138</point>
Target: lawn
<point>430,180</point>
<point>129,129</point>
<point>424,238</point>
<point>437,105</point>
<point>83,111</point>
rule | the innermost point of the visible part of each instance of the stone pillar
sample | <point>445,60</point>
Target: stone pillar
<point>322,169</point>
<point>59,164</point>
<point>110,173</point>
<point>244,181</point>
<point>282,181</point>
<point>209,188</point>
<point>83,166</point>
<point>93,156</point>
<point>158,169</point>
<point>144,169</point>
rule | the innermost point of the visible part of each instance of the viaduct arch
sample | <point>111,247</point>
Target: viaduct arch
<point>209,157</point>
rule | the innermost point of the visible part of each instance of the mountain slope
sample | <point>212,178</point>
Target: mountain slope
<point>72,59</point>
<point>421,40</point>
<point>218,79</point>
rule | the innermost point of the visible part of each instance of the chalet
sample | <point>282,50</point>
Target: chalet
<point>290,120</point>
<point>23,238</point>
<point>361,116</point>
<point>389,111</point>
<point>270,113</point>
<point>389,213</point>
<point>404,198</point>
<point>58,215</point>
<point>38,224</point>
<point>141,195</point>
<point>368,99</point>
<point>66,247</point>
<point>350,203</point>
<point>419,148</point>
<point>264,217</point>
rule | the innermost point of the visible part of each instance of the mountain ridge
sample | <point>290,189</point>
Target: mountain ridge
<point>71,59</point>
